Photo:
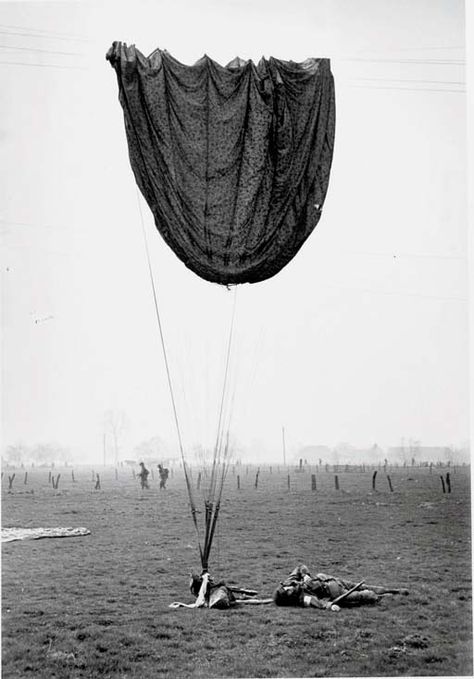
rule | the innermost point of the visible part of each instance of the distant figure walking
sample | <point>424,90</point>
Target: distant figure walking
<point>164,473</point>
<point>143,476</point>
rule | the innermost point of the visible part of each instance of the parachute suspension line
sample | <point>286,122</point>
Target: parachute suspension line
<point>168,374</point>
<point>219,463</point>
<point>226,373</point>
<point>214,516</point>
<point>158,317</point>
<point>218,444</point>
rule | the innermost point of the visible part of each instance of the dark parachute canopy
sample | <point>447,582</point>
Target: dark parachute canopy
<point>233,161</point>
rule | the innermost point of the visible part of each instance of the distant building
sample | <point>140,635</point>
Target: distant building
<point>315,453</point>
<point>426,454</point>
<point>341,454</point>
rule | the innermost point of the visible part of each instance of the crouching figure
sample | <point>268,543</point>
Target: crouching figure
<point>327,592</point>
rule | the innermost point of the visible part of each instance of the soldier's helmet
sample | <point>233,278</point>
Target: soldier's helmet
<point>288,595</point>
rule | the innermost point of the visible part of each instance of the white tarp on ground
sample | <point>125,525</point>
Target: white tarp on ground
<point>10,534</point>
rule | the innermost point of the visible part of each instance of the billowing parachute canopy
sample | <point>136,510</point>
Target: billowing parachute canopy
<point>233,161</point>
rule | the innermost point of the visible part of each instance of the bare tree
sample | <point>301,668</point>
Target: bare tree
<point>152,450</point>
<point>17,454</point>
<point>115,425</point>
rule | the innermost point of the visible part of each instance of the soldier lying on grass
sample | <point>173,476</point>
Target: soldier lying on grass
<point>210,594</point>
<point>327,592</point>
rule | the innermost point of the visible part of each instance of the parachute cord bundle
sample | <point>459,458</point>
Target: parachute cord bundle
<point>220,462</point>
<point>221,454</point>
<point>170,384</point>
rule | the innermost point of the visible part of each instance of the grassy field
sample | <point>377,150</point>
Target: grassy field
<point>97,606</point>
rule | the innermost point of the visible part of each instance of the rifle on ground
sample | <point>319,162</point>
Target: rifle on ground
<point>343,596</point>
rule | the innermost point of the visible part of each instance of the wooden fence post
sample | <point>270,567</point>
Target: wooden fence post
<point>26,478</point>
<point>374,476</point>
<point>97,483</point>
<point>56,483</point>
<point>238,482</point>
<point>448,482</point>
<point>10,481</point>
<point>389,483</point>
<point>442,483</point>
<point>313,481</point>
<point>288,482</point>
<point>256,478</point>
<point>336,482</point>
<point>199,481</point>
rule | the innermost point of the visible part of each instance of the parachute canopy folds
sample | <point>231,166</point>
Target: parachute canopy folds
<point>233,161</point>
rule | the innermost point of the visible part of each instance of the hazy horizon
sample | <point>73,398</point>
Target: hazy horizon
<point>362,338</point>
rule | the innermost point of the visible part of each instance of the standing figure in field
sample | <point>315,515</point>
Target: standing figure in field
<point>164,473</point>
<point>327,592</point>
<point>143,475</point>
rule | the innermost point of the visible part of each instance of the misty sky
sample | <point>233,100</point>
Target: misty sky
<point>363,337</point>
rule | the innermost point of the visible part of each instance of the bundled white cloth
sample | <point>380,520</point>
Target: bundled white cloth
<point>10,534</point>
